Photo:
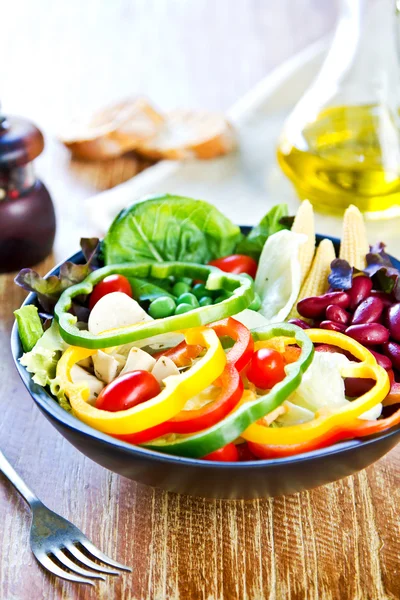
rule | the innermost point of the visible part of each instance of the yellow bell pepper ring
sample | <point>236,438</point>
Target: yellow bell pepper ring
<point>327,419</point>
<point>168,403</point>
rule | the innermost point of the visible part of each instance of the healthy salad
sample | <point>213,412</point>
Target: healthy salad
<point>181,334</point>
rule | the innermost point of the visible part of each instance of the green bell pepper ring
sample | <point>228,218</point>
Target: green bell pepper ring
<point>240,288</point>
<point>230,428</point>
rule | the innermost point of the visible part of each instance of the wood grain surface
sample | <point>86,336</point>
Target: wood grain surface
<point>336,542</point>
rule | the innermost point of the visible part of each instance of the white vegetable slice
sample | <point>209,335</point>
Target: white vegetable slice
<point>163,368</point>
<point>251,319</point>
<point>294,415</point>
<point>138,360</point>
<point>278,276</point>
<point>115,310</point>
<point>313,392</point>
<point>156,343</point>
<point>120,358</point>
<point>322,384</point>
<point>79,375</point>
<point>106,367</point>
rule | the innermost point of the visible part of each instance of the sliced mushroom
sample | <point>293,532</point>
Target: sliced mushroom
<point>164,368</point>
<point>106,367</point>
<point>115,310</point>
<point>79,375</point>
<point>138,360</point>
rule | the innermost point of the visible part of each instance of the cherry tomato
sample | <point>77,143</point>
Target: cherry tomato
<point>112,283</point>
<point>236,263</point>
<point>127,391</point>
<point>266,368</point>
<point>227,453</point>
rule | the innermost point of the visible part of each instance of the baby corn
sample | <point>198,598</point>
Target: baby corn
<point>316,282</point>
<point>304,223</point>
<point>354,245</point>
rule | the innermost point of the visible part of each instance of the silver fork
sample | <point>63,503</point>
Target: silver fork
<point>57,543</point>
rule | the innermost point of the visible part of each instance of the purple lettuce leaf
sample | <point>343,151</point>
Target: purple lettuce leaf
<point>50,289</point>
<point>341,275</point>
<point>380,267</point>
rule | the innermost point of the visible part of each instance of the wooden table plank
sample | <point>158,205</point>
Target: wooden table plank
<point>339,541</point>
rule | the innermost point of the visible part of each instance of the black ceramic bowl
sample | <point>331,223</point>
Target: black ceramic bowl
<point>255,479</point>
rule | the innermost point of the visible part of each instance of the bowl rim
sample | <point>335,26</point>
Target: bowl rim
<point>46,402</point>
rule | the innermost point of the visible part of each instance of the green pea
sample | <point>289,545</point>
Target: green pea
<point>183,308</point>
<point>163,306</point>
<point>200,291</point>
<point>188,298</point>
<point>186,280</point>
<point>180,288</point>
<point>221,297</point>
<point>205,301</point>
<point>256,304</point>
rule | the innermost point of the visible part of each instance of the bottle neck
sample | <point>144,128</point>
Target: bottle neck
<point>372,51</point>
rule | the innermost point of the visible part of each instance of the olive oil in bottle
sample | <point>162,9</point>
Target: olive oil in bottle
<point>341,143</point>
<point>348,155</point>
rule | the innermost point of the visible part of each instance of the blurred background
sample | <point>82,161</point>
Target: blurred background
<point>61,60</point>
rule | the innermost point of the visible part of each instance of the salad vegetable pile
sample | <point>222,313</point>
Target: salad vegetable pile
<point>181,334</point>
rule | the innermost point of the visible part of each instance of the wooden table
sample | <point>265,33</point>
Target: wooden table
<point>339,541</point>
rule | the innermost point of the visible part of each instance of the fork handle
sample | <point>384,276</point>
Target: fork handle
<point>17,481</point>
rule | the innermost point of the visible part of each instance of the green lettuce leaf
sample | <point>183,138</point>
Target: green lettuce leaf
<point>42,360</point>
<point>30,328</point>
<point>169,228</point>
<point>273,221</point>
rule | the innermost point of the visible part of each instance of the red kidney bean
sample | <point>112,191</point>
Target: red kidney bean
<point>386,298</point>
<point>368,334</point>
<point>315,306</point>
<point>369,311</point>
<point>355,386</point>
<point>338,314</point>
<point>393,321</point>
<point>300,323</point>
<point>392,351</point>
<point>360,289</point>
<point>382,360</point>
<point>332,326</point>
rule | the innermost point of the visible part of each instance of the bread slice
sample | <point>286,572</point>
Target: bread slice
<point>114,130</point>
<point>190,134</point>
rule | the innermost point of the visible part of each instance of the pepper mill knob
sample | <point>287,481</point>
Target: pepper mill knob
<point>27,219</point>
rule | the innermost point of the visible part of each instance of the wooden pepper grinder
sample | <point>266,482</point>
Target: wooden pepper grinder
<point>27,219</point>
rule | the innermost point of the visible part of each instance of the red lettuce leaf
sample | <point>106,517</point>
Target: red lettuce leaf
<point>382,270</point>
<point>50,289</point>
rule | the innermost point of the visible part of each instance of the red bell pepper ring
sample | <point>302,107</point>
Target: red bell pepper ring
<point>240,354</point>
<point>182,354</point>
<point>357,429</point>
<point>190,421</point>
